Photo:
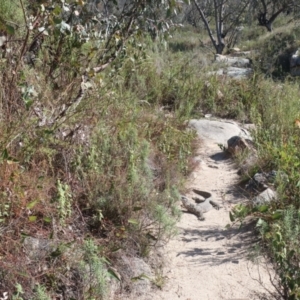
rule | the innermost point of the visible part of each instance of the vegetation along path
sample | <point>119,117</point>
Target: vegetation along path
<point>208,260</point>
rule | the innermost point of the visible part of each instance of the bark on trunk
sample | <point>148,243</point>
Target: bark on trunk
<point>218,45</point>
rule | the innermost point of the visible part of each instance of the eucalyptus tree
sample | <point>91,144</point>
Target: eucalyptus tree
<point>223,15</point>
<point>268,11</point>
<point>73,40</point>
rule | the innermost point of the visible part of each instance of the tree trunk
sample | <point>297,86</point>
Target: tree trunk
<point>262,17</point>
<point>219,13</point>
<point>219,46</point>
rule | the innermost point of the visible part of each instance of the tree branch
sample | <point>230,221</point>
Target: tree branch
<point>206,24</point>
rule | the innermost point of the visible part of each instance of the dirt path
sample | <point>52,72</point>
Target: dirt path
<point>206,260</point>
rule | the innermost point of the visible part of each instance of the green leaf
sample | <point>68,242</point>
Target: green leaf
<point>32,218</point>
<point>47,131</point>
<point>31,204</point>
<point>10,30</point>
<point>47,219</point>
<point>115,249</point>
<point>12,161</point>
<point>57,10</point>
<point>114,274</point>
<point>57,252</point>
<point>278,236</point>
<point>28,103</point>
<point>133,221</point>
<point>25,235</point>
<point>57,20</point>
<point>151,236</point>
<point>137,208</point>
<point>140,277</point>
<point>5,154</point>
<point>263,208</point>
<point>9,159</point>
<point>260,223</point>
<point>277,215</point>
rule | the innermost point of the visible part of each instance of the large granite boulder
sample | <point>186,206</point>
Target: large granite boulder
<point>218,130</point>
<point>238,144</point>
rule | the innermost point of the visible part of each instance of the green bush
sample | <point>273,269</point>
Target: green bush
<point>273,52</point>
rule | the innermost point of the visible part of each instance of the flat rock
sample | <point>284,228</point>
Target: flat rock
<point>238,73</point>
<point>233,72</point>
<point>218,131</point>
<point>233,61</point>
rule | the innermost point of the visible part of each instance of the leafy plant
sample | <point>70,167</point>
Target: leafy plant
<point>282,240</point>
<point>64,199</point>
<point>40,293</point>
<point>94,272</point>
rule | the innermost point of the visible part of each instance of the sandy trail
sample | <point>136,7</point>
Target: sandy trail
<point>207,261</point>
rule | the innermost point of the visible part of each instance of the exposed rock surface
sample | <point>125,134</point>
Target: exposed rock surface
<point>233,61</point>
<point>140,274</point>
<point>265,197</point>
<point>238,73</point>
<point>237,144</point>
<point>261,181</point>
<point>38,248</point>
<point>217,130</point>
<point>233,72</point>
<point>236,67</point>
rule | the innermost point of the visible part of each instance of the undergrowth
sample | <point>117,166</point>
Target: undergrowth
<point>82,181</point>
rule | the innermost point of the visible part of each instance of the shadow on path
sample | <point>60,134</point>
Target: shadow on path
<point>221,156</point>
<point>236,244</point>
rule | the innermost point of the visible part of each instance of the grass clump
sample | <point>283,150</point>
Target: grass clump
<point>275,112</point>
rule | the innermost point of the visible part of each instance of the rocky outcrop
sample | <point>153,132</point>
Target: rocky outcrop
<point>238,144</point>
<point>265,197</point>
<point>236,67</point>
<point>138,272</point>
<point>218,130</point>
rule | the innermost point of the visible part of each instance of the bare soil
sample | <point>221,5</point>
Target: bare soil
<point>208,260</point>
